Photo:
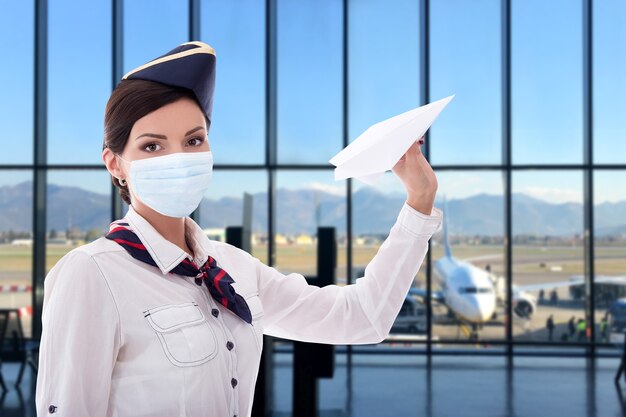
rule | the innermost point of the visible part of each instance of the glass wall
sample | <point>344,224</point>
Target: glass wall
<point>151,31</point>
<point>610,254</point>
<point>16,243</point>
<point>237,198</point>
<point>474,310</point>
<point>79,77</point>
<point>548,254</point>
<point>78,210</point>
<point>16,100</point>
<point>284,108</point>
<point>469,131</point>
<point>383,80</point>
<point>305,201</point>
<point>16,148</point>
<point>309,81</point>
<point>383,76</point>
<point>609,65</point>
<point>232,29</point>
<point>546,80</point>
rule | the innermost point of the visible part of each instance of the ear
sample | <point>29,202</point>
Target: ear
<point>110,161</point>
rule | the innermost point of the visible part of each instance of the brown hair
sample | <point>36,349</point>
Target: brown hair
<point>130,101</point>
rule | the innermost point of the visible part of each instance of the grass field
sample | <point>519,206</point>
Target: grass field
<point>530,265</point>
<point>16,261</point>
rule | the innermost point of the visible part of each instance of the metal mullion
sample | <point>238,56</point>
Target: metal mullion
<point>505,25</point>
<point>194,20</point>
<point>424,27</point>
<point>117,62</point>
<point>39,160</point>
<point>270,140</point>
<point>193,34</point>
<point>346,141</point>
<point>588,172</point>
<point>270,121</point>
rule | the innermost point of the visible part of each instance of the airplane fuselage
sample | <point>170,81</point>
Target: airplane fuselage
<point>468,291</point>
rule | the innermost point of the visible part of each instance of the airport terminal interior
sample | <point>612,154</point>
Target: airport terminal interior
<point>519,306</point>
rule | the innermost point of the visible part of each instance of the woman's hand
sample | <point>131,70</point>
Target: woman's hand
<point>418,178</point>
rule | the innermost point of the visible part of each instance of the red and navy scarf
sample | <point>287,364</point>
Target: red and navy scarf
<point>215,278</point>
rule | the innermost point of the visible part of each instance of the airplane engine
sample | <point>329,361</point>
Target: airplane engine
<point>524,305</point>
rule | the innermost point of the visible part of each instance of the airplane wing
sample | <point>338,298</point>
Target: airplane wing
<point>574,280</point>
<point>604,279</point>
<point>547,285</point>
<point>421,292</point>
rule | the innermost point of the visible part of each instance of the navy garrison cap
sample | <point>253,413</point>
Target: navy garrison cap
<point>190,65</point>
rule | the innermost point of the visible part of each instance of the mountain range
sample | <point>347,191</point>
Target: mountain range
<point>374,212</point>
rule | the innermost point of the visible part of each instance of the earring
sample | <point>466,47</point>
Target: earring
<point>123,182</point>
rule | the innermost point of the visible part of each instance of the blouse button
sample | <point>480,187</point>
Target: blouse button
<point>215,312</point>
<point>198,281</point>
<point>52,409</point>
<point>230,345</point>
<point>233,382</point>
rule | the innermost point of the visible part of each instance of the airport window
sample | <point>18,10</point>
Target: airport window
<point>309,94</point>
<point>547,102</point>
<point>306,200</point>
<point>610,253</point>
<point>148,28</point>
<point>226,204</point>
<point>74,81</point>
<point>16,100</point>
<point>16,243</point>
<point>469,131</point>
<point>548,252</point>
<point>369,56</point>
<point>78,210</point>
<point>373,97</point>
<point>609,66</point>
<point>520,131</point>
<point>232,29</point>
<point>472,202</point>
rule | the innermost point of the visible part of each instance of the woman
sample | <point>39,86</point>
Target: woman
<point>155,319</point>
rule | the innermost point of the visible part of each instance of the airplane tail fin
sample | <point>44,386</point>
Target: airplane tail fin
<point>446,243</point>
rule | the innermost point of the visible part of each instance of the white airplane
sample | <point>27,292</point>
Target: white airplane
<point>468,292</point>
<point>472,294</point>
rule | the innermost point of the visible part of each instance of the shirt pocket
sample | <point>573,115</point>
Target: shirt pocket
<point>185,335</point>
<point>256,310</point>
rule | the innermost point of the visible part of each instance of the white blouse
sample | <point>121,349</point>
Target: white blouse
<point>123,338</point>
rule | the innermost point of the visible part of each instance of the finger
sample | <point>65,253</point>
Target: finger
<point>415,148</point>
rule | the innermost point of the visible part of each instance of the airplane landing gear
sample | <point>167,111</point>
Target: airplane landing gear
<point>474,334</point>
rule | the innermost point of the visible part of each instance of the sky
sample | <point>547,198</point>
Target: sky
<point>384,80</point>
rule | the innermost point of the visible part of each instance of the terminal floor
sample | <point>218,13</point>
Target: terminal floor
<point>406,385</point>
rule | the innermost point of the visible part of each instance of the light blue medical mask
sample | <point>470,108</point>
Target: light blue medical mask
<point>172,184</point>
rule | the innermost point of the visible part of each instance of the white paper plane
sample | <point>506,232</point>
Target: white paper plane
<point>382,145</point>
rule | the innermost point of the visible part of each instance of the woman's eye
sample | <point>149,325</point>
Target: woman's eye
<point>151,147</point>
<point>197,141</point>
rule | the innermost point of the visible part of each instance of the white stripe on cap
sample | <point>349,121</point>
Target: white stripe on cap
<point>203,48</point>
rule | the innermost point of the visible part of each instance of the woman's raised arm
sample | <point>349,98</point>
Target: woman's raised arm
<point>359,313</point>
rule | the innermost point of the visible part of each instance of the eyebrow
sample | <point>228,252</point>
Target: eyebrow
<point>154,135</point>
